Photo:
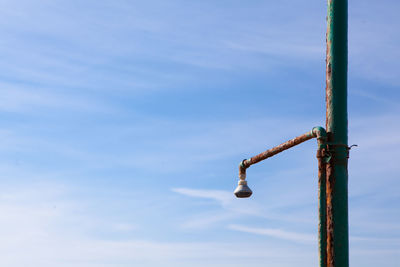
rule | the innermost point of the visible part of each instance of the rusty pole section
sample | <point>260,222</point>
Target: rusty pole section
<point>336,126</point>
<point>322,208</point>
<point>322,156</point>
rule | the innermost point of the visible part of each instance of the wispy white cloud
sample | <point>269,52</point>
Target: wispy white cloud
<point>223,197</point>
<point>21,98</point>
<point>377,97</point>
<point>233,209</point>
<point>207,220</point>
<point>372,52</point>
<point>51,230</point>
<point>278,46</point>
<point>392,241</point>
<point>187,142</point>
<point>79,50</point>
<point>276,233</point>
<point>203,220</point>
<point>124,227</point>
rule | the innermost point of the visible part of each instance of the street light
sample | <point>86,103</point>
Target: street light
<point>333,150</point>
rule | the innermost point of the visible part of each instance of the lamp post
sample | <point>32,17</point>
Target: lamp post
<point>332,150</point>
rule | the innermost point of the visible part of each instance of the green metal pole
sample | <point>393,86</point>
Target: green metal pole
<point>336,125</point>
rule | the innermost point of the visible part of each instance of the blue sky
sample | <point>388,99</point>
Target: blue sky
<point>123,123</point>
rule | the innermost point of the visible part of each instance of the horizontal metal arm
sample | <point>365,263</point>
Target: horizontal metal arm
<point>316,132</point>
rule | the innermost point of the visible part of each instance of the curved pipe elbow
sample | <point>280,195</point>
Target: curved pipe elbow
<point>319,132</point>
<point>242,170</point>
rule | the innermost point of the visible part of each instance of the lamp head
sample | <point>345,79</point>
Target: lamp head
<point>242,191</point>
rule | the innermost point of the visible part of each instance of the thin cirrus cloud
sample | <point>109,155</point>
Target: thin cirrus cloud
<point>48,228</point>
<point>77,54</point>
<point>276,233</point>
<point>223,197</point>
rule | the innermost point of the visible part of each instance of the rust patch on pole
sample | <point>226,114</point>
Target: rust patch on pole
<point>330,183</point>
<point>330,178</point>
<point>328,61</point>
<point>321,156</point>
